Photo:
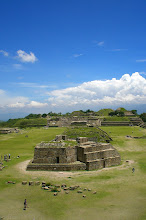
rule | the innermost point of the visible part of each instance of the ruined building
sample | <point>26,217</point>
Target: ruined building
<point>84,155</point>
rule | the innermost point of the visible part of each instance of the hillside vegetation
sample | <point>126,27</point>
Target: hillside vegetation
<point>116,118</point>
<point>104,112</point>
<point>24,123</point>
<point>90,132</point>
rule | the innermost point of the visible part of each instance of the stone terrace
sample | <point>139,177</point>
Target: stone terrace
<point>98,155</point>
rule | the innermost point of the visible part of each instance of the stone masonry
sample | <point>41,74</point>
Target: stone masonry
<point>86,155</point>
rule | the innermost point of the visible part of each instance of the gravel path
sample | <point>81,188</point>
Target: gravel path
<point>21,167</point>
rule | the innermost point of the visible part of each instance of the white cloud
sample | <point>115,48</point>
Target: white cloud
<point>17,105</point>
<point>18,102</point>
<point>77,55</point>
<point>7,101</point>
<point>127,90</point>
<point>25,57</point>
<point>141,61</point>
<point>101,43</point>
<point>6,54</point>
<point>36,104</point>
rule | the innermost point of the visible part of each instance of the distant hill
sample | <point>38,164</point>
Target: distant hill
<point>23,123</point>
<point>121,109</point>
<point>104,112</point>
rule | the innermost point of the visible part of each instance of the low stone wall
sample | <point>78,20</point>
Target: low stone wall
<point>78,123</point>
<point>57,167</point>
<point>115,123</point>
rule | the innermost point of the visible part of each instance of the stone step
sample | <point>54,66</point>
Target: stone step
<point>100,154</point>
<point>95,147</point>
<point>102,163</point>
<point>57,167</point>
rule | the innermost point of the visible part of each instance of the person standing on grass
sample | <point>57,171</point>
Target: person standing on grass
<point>25,204</point>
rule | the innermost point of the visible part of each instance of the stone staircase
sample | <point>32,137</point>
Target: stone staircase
<point>136,121</point>
<point>98,155</point>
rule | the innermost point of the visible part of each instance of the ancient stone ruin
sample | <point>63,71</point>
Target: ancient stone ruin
<point>73,155</point>
<point>8,130</point>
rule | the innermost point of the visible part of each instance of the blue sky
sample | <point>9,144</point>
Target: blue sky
<point>65,55</point>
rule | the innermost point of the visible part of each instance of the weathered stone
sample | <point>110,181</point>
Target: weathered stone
<point>43,184</point>
<point>46,188</point>
<point>94,192</point>
<point>31,183</point>
<point>58,186</point>
<point>66,188</point>
<point>37,183</point>
<point>10,181</point>
<point>24,182</point>
<point>84,196</point>
<point>55,194</point>
<point>72,188</point>
<point>88,155</point>
<point>79,191</point>
<point>76,187</point>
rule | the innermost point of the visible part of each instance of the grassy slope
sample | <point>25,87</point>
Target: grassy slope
<point>90,132</point>
<point>120,194</point>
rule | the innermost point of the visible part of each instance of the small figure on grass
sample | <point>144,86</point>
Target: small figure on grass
<point>133,170</point>
<point>25,204</point>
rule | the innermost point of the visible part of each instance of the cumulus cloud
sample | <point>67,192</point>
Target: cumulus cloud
<point>37,104</point>
<point>26,57</point>
<point>18,102</point>
<point>6,54</point>
<point>7,101</point>
<point>126,90</point>
<point>129,90</point>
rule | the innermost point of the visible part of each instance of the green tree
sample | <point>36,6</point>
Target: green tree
<point>143,117</point>
<point>134,112</point>
<point>44,115</point>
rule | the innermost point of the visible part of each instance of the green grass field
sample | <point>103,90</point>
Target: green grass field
<point>121,194</point>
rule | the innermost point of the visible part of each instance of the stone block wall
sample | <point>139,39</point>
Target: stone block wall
<point>87,155</point>
<point>57,167</point>
<point>115,123</point>
<point>98,155</point>
<point>54,155</point>
<point>81,140</point>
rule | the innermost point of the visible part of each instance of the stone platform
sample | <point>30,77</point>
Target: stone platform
<point>98,155</point>
<point>57,167</point>
<point>84,155</point>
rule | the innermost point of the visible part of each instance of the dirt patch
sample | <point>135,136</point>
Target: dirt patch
<point>55,174</point>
